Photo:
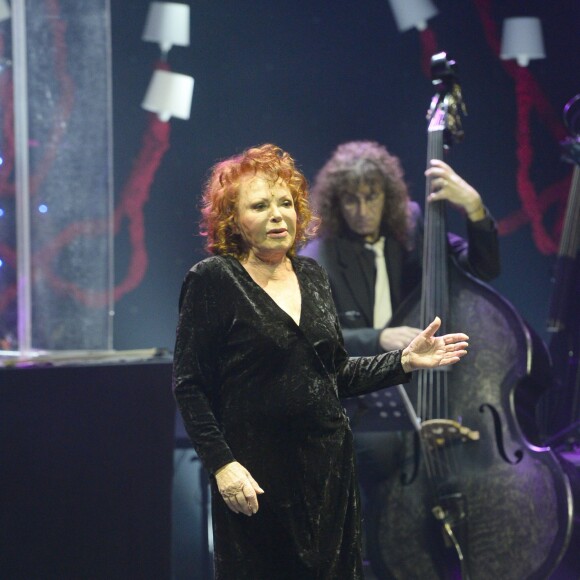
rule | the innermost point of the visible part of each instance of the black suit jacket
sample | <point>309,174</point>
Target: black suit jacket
<point>351,270</point>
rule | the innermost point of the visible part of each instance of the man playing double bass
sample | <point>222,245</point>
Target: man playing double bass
<point>370,243</point>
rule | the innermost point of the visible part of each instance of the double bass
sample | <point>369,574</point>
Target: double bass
<point>473,498</point>
<point>559,411</point>
<point>559,408</point>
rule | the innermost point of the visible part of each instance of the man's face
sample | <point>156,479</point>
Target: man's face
<point>363,209</point>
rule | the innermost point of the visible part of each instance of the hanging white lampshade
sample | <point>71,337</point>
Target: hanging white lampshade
<point>169,95</point>
<point>522,39</point>
<point>4,10</point>
<point>412,13</point>
<point>167,24</point>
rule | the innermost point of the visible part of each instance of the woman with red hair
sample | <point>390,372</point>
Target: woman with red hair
<point>259,370</point>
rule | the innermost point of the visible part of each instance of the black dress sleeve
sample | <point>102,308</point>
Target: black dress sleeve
<point>365,374</point>
<point>197,342</point>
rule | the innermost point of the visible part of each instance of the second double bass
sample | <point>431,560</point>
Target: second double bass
<point>474,499</point>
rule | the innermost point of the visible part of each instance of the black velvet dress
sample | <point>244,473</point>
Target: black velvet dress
<point>255,387</point>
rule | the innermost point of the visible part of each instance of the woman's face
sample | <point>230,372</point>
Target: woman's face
<point>266,216</point>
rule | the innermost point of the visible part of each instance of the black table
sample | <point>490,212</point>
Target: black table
<point>86,460</point>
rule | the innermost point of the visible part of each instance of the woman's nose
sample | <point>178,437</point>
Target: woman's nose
<point>275,213</point>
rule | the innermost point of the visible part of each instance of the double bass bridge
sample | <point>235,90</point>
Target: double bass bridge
<point>440,433</point>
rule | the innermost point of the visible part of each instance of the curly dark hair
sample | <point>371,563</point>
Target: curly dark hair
<point>221,193</point>
<point>350,164</point>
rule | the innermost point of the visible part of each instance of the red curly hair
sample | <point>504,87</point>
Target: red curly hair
<point>220,198</point>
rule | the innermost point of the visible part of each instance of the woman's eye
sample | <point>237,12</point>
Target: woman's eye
<point>287,203</point>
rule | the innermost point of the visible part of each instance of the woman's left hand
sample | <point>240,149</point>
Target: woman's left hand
<point>427,351</point>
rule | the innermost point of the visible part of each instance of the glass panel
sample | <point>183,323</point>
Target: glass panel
<point>69,175</point>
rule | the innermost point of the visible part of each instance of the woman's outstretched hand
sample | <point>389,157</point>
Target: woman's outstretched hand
<point>427,351</point>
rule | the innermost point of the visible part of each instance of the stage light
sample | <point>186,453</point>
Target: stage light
<point>522,39</point>
<point>167,24</point>
<point>42,208</point>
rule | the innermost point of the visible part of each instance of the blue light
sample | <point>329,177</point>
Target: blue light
<point>42,208</point>
<point>1,212</point>
<point>1,263</point>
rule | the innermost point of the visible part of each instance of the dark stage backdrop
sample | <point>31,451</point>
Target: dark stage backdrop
<point>309,75</point>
